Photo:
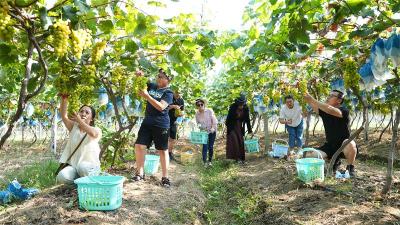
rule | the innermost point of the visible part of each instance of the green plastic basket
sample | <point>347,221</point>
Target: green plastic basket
<point>151,164</point>
<point>310,169</point>
<point>251,145</point>
<point>100,192</point>
<point>199,137</point>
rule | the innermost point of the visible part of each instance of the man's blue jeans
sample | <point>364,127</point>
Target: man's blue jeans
<point>209,147</point>
<point>295,135</point>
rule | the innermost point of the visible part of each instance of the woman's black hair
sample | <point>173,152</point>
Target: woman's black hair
<point>93,113</point>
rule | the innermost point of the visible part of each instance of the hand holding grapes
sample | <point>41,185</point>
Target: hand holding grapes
<point>139,73</point>
<point>174,107</point>
<point>143,93</point>
<point>77,118</point>
<point>63,96</point>
<point>308,98</point>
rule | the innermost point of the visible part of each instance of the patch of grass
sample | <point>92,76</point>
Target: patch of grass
<point>182,214</point>
<point>229,201</point>
<point>39,175</point>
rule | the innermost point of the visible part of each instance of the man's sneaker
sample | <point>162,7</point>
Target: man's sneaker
<point>165,182</point>
<point>209,164</point>
<point>351,170</point>
<point>137,177</point>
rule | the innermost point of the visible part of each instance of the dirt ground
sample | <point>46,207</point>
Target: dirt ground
<point>285,200</point>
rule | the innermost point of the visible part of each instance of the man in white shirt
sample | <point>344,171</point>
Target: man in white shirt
<point>291,116</point>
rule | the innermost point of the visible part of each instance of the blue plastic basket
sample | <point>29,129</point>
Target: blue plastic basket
<point>251,145</point>
<point>310,169</point>
<point>151,164</point>
<point>280,150</point>
<point>199,137</point>
<point>100,192</point>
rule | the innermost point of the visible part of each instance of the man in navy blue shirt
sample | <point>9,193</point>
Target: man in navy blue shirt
<point>155,126</point>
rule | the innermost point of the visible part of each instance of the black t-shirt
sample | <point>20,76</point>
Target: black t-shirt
<point>181,103</point>
<point>153,117</point>
<point>336,129</point>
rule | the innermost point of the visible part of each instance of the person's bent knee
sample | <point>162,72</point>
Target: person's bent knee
<point>351,147</point>
<point>85,169</point>
<point>66,175</point>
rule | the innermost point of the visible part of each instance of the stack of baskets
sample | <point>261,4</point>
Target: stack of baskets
<point>310,169</point>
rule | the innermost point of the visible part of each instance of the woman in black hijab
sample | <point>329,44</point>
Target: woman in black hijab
<point>238,116</point>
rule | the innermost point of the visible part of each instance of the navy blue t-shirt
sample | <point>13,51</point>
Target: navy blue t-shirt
<point>153,117</point>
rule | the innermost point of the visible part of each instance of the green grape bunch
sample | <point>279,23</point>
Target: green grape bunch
<point>60,37</point>
<point>73,103</point>
<point>6,22</point>
<point>350,75</point>
<point>79,85</point>
<point>266,99</point>
<point>139,83</point>
<point>65,83</point>
<point>98,51</point>
<point>80,40</point>
<point>276,95</point>
<point>88,75</point>
<point>302,86</point>
<point>322,87</point>
<point>119,78</point>
<point>178,112</point>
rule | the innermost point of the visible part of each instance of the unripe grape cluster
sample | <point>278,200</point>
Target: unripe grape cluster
<point>139,83</point>
<point>64,83</point>
<point>78,86</point>
<point>80,39</point>
<point>119,78</point>
<point>276,95</point>
<point>98,51</point>
<point>350,75</point>
<point>266,99</point>
<point>6,22</point>
<point>88,75</point>
<point>60,37</point>
<point>322,87</point>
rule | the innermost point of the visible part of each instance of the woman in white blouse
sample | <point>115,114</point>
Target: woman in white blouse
<point>207,121</point>
<point>81,130</point>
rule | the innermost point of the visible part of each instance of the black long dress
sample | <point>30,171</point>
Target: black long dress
<point>235,122</point>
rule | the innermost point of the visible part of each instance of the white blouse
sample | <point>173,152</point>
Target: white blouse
<point>88,151</point>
